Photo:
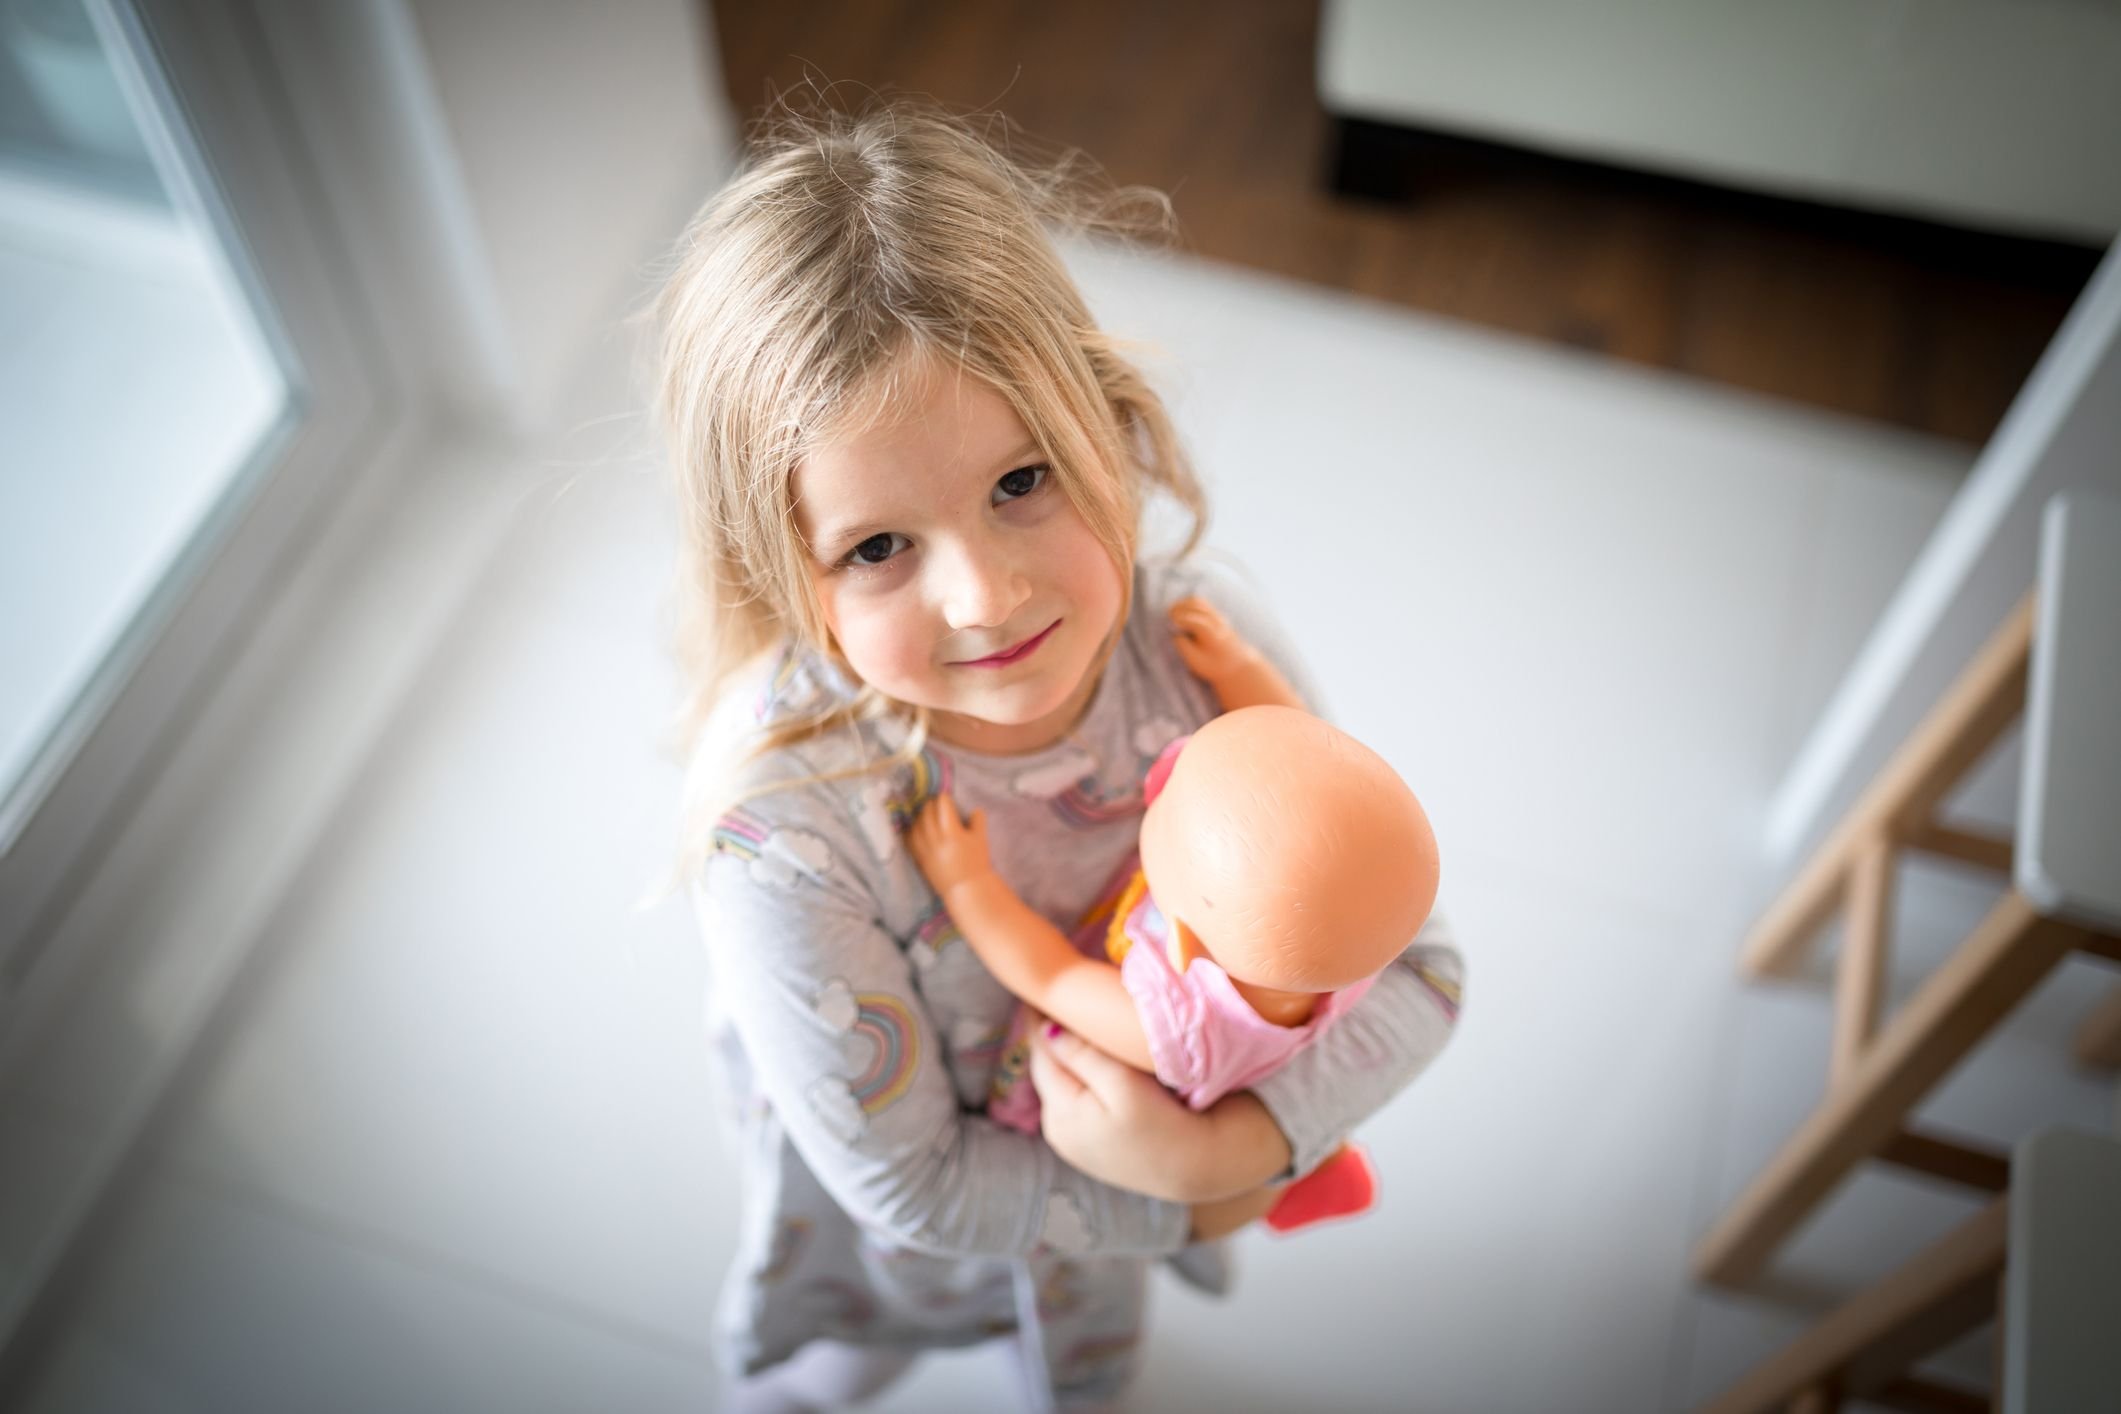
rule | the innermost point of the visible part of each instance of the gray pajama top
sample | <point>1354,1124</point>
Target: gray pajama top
<point>859,1036</point>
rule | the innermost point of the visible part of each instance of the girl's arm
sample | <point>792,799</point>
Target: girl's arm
<point>840,1043</point>
<point>1387,1039</point>
<point>1119,1125</point>
<point>1026,954</point>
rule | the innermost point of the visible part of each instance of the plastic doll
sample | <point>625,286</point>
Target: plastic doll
<point>1283,865</point>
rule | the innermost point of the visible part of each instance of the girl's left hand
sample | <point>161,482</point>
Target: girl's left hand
<point>949,849</point>
<point>1121,1126</point>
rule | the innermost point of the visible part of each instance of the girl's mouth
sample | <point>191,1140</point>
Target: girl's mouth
<point>1016,654</point>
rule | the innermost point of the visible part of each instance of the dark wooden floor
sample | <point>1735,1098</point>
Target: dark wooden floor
<point>1213,101</point>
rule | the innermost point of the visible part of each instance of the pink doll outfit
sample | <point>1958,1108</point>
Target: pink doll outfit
<point>1204,1037</point>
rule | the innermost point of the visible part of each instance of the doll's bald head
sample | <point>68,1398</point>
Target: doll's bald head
<point>1294,854</point>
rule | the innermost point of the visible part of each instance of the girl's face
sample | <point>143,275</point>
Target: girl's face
<point>952,570</point>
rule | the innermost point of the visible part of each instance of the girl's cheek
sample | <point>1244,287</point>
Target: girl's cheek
<point>1092,573</point>
<point>886,648</point>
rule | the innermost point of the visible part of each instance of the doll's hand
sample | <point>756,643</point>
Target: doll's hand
<point>1220,657</point>
<point>1212,650</point>
<point>950,850</point>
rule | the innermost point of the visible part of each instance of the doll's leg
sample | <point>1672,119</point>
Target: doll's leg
<point>1342,1187</point>
<point>825,1374</point>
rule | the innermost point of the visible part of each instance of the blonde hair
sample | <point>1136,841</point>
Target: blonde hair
<point>849,248</point>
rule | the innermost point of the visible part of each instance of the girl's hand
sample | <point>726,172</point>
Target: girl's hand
<point>1212,650</point>
<point>1120,1126</point>
<point>949,849</point>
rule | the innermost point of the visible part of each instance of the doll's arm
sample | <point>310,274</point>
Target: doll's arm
<point>1026,954</point>
<point>1215,653</point>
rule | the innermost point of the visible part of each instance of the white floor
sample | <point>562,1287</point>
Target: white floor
<point>459,1156</point>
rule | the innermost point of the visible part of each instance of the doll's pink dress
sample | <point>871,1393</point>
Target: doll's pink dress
<point>1204,1037</point>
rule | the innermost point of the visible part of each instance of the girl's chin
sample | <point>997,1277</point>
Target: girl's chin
<point>1006,709</point>
<point>1003,721</point>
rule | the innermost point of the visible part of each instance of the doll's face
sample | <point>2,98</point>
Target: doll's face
<point>952,571</point>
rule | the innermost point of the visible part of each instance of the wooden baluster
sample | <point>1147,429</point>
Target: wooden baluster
<point>1866,938</point>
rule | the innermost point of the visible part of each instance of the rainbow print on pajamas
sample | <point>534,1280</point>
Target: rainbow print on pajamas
<point>1081,807</point>
<point>984,1052</point>
<point>888,1026</point>
<point>1442,988</point>
<point>936,930</point>
<point>931,777</point>
<point>740,834</point>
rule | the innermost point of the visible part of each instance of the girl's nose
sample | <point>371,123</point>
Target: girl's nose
<point>984,590</point>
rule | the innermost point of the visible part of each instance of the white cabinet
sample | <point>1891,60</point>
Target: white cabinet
<point>1997,114</point>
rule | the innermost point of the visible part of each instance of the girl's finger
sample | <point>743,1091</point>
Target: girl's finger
<point>1050,1075</point>
<point>1088,1067</point>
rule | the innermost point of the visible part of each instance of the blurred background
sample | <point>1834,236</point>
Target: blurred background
<point>1639,414</point>
<point>1527,167</point>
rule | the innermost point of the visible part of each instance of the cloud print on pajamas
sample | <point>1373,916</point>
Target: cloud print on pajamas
<point>878,814</point>
<point>1045,781</point>
<point>887,1048</point>
<point>778,857</point>
<point>1065,1229</point>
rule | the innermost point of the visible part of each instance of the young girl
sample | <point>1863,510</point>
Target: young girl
<point>912,475</point>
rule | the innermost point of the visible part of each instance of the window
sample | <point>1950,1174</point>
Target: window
<point>185,386</point>
<point>137,382</point>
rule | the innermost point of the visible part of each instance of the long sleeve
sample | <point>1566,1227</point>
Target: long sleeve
<point>1385,1041</point>
<point>841,1044</point>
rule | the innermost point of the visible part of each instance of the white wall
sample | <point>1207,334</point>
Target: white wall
<point>579,87</point>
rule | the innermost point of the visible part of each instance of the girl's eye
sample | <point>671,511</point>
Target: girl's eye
<point>1017,484</point>
<point>877,548</point>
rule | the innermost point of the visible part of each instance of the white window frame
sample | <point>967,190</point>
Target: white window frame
<point>219,79</point>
